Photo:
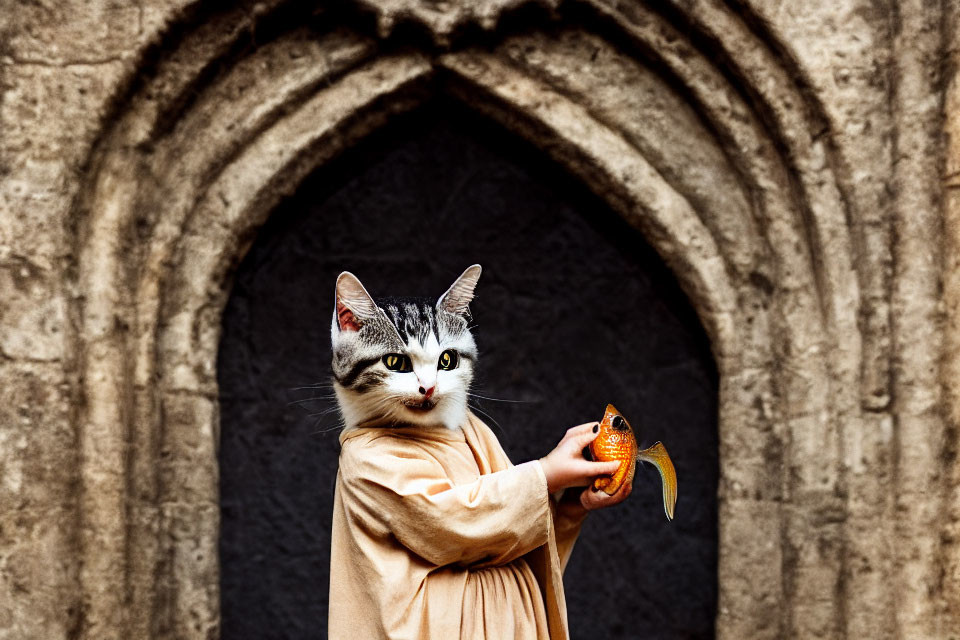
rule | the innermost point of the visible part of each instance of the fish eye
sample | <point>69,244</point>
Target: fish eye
<point>397,362</point>
<point>449,359</point>
<point>618,423</point>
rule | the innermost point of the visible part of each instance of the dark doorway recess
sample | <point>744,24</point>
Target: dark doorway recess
<point>574,310</point>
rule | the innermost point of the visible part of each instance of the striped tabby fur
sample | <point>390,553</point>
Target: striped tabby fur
<point>366,333</point>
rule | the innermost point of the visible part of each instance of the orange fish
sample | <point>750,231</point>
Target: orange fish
<point>617,442</point>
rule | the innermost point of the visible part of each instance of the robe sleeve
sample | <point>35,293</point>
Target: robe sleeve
<point>567,527</point>
<point>404,492</point>
<point>567,531</point>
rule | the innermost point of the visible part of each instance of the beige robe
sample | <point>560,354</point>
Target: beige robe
<point>437,535</point>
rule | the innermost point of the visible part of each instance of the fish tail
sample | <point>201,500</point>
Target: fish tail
<point>657,455</point>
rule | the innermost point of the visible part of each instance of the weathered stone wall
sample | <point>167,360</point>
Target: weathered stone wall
<point>796,165</point>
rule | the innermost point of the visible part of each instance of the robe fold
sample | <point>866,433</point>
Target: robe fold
<point>437,535</point>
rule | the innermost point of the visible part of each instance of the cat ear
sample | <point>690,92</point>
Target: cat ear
<point>354,304</point>
<point>458,296</point>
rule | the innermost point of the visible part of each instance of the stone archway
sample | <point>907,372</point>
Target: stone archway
<point>238,106</point>
<point>401,209</point>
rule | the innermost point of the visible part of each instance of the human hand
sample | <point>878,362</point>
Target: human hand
<point>566,467</point>
<point>592,498</point>
<point>574,504</point>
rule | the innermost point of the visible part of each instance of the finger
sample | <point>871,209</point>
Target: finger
<point>589,470</point>
<point>592,499</point>
<point>621,495</point>
<point>580,430</point>
<point>585,434</point>
<point>586,426</point>
<point>586,498</point>
<point>600,468</point>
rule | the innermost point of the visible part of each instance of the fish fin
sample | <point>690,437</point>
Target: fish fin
<point>658,456</point>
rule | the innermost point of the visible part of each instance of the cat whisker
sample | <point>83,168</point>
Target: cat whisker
<point>319,385</point>
<point>477,395</point>
<point>484,413</point>
<point>314,399</point>
<point>338,425</point>
<point>321,395</point>
<point>327,430</point>
<point>322,413</point>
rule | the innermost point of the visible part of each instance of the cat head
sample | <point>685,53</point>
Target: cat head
<point>404,361</point>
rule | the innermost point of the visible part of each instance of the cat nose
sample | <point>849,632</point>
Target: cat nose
<point>427,392</point>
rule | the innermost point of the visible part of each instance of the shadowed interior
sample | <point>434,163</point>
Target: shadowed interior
<point>573,310</point>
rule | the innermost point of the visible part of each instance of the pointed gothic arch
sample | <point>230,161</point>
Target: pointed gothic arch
<point>754,226</point>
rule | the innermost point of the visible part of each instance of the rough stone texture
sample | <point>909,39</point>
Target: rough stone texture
<point>443,17</point>
<point>795,165</point>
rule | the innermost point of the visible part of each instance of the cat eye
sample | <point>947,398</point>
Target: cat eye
<point>449,359</point>
<point>397,362</point>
